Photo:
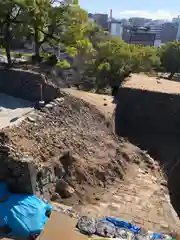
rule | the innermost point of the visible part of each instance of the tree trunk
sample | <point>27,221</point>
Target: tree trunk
<point>8,55</point>
<point>37,45</point>
<point>171,75</point>
<point>7,44</point>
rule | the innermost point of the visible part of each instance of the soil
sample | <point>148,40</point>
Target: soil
<point>101,102</point>
<point>97,157</point>
<point>143,82</point>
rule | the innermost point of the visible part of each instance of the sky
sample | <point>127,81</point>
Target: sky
<point>155,9</point>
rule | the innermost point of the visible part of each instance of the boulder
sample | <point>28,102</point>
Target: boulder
<point>105,229</point>
<point>87,225</point>
<point>64,189</point>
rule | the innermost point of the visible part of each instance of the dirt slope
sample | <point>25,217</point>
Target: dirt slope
<point>102,102</point>
<point>73,128</point>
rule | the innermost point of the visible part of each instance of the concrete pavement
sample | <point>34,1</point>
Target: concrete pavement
<point>13,110</point>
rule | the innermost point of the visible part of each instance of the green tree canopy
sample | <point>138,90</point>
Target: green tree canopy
<point>170,57</point>
<point>10,16</point>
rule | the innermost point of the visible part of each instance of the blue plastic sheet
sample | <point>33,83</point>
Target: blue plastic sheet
<point>158,236</point>
<point>25,215</point>
<point>123,224</point>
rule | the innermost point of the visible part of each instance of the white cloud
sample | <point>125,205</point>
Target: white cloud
<point>160,14</point>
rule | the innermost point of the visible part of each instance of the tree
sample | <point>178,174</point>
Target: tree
<point>74,26</point>
<point>37,13</point>
<point>170,57</point>
<point>109,64</point>
<point>53,24</point>
<point>10,13</point>
<point>144,59</point>
<point>115,60</point>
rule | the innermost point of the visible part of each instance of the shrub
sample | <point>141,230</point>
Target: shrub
<point>64,64</point>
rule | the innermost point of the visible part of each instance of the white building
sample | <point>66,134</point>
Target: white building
<point>91,17</point>
<point>178,32</point>
<point>116,28</point>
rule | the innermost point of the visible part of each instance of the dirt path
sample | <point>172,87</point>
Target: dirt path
<point>143,82</point>
<point>102,102</point>
<point>139,199</point>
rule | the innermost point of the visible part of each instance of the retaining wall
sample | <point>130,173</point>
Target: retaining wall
<point>151,120</point>
<point>147,112</point>
<point>26,85</point>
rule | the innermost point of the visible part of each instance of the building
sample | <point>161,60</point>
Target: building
<point>138,35</point>
<point>91,17</point>
<point>138,21</point>
<point>155,29</point>
<point>100,19</point>
<point>175,20</point>
<point>116,28</point>
<point>178,31</point>
<point>169,32</point>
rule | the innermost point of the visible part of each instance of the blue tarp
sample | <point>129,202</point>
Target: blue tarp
<point>123,224</point>
<point>24,214</point>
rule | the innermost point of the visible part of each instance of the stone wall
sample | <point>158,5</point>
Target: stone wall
<point>147,112</point>
<point>24,176</point>
<point>26,85</point>
<point>151,120</point>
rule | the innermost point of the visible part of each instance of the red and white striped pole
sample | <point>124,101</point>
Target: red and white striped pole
<point>41,92</point>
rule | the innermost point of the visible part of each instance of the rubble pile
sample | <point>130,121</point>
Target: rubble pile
<point>73,151</point>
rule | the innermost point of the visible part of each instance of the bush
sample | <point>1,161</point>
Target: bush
<point>45,56</point>
<point>52,60</point>
<point>64,64</point>
<point>49,58</point>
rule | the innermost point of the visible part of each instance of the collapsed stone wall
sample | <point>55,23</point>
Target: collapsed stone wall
<point>26,177</point>
<point>22,174</point>
<point>147,112</point>
<point>26,85</point>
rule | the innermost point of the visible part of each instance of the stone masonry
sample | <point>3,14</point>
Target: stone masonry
<point>26,85</point>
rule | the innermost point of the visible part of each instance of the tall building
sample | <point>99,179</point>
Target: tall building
<point>116,28</point>
<point>91,17</point>
<point>169,32</point>
<point>178,31</point>
<point>100,18</point>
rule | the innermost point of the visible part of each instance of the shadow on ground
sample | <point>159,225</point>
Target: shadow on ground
<point>9,102</point>
<point>132,113</point>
